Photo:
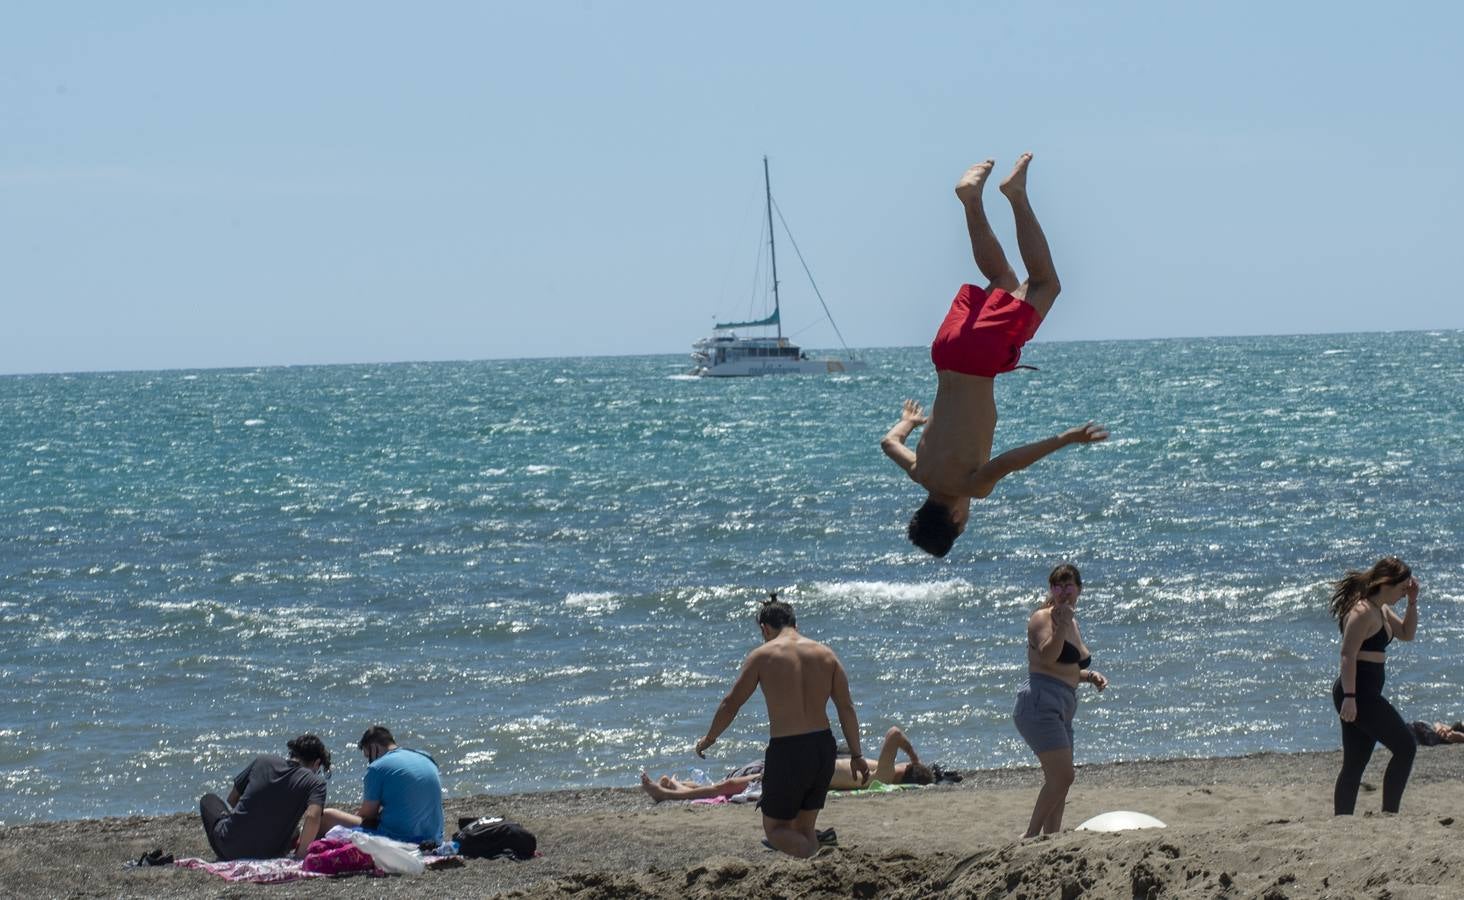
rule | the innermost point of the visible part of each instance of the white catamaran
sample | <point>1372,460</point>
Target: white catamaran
<point>725,355</point>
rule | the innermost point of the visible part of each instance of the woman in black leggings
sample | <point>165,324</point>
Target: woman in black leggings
<point>1361,604</point>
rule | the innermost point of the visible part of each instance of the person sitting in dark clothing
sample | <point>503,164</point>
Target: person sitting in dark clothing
<point>268,800</point>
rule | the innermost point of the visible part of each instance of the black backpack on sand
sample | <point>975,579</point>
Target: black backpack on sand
<point>487,838</point>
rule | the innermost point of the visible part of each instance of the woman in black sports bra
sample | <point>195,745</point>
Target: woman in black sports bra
<point>1361,604</point>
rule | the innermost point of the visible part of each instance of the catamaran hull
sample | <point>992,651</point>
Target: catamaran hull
<point>754,367</point>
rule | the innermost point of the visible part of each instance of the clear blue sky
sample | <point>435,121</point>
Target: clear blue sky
<point>195,184</point>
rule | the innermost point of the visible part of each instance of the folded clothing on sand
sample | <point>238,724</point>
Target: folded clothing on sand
<point>337,856</point>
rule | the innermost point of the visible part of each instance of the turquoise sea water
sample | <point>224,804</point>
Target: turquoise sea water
<point>543,572</point>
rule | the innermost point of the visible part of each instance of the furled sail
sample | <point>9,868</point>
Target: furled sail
<point>770,320</point>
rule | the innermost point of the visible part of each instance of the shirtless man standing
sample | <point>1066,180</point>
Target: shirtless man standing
<point>982,336</point>
<point>799,677</point>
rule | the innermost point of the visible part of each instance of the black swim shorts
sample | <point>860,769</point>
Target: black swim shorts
<point>796,774</point>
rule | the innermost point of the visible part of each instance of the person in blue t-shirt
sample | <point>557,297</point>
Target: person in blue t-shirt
<point>402,798</point>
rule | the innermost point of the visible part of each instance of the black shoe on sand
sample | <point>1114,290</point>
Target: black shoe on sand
<point>155,858</point>
<point>826,838</point>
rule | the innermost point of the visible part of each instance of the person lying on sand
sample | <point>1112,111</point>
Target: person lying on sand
<point>982,337</point>
<point>670,788</point>
<point>1431,735</point>
<point>798,677</point>
<point>886,770</point>
<point>737,781</point>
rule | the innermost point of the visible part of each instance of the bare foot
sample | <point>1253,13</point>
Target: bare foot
<point>657,792</point>
<point>1015,184</point>
<point>970,185</point>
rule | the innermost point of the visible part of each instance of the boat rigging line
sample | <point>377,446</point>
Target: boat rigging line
<point>794,241</point>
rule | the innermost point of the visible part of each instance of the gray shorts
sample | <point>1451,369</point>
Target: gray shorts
<point>1044,713</point>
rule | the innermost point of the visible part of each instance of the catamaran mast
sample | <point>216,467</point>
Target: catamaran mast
<point>772,247</point>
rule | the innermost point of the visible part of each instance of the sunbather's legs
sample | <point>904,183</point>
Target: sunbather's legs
<point>666,781</point>
<point>686,790</point>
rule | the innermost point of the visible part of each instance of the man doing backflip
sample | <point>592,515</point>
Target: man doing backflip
<point>981,337</point>
<point>799,677</point>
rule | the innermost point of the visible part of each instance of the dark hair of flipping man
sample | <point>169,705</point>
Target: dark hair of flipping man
<point>932,530</point>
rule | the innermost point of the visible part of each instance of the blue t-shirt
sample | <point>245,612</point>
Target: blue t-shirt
<point>406,784</point>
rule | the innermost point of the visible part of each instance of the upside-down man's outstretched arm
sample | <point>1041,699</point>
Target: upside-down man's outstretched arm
<point>1019,458</point>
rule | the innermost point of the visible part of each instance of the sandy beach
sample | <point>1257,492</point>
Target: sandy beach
<point>1257,826</point>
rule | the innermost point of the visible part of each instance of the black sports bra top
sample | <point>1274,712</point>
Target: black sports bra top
<point>1378,641</point>
<point>1069,655</point>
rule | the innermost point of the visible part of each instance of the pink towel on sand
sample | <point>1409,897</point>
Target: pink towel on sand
<point>259,871</point>
<point>334,857</point>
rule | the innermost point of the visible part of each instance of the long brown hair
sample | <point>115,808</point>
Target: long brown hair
<point>1356,586</point>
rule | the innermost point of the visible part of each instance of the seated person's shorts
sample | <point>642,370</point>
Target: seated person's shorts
<point>1044,712</point>
<point>983,334</point>
<point>796,773</point>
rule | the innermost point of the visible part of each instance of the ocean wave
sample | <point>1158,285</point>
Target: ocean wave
<point>594,602</point>
<point>867,592</point>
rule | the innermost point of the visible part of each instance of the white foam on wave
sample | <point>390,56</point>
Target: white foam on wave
<point>892,591</point>
<point>595,602</point>
<point>477,757</point>
<point>251,423</point>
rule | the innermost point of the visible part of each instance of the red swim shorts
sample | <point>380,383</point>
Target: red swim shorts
<point>984,334</point>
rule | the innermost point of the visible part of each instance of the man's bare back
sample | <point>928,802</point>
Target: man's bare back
<point>797,679</point>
